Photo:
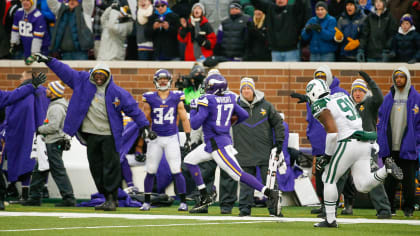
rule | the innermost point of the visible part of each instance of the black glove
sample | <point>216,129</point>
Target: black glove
<point>42,58</point>
<point>187,144</point>
<point>279,146</point>
<point>302,97</point>
<point>314,27</point>
<point>140,157</point>
<point>39,79</point>
<point>206,44</point>
<point>124,19</point>
<point>322,162</point>
<point>365,76</point>
<point>145,132</point>
<point>412,61</point>
<point>200,39</point>
<point>360,55</point>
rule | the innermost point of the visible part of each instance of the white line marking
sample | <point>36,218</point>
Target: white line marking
<point>132,226</point>
<point>206,218</point>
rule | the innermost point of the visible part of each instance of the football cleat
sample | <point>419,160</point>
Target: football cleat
<point>392,169</point>
<point>274,203</point>
<point>183,207</point>
<point>146,207</point>
<point>205,201</point>
<point>325,224</point>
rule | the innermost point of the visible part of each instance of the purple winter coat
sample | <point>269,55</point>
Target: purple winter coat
<point>116,98</point>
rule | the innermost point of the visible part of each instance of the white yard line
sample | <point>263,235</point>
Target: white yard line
<point>134,226</point>
<point>238,220</point>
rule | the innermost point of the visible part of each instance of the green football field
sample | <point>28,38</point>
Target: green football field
<point>49,220</point>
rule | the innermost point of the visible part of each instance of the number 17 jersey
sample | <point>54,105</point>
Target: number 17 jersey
<point>346,117</point>
<point>164,111</point>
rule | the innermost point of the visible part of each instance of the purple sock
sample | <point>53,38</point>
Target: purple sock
<point>148,183</point>
<point>180,183</point>
<point>251,181</point>
<point>126,172</point>
<point>195,173</point>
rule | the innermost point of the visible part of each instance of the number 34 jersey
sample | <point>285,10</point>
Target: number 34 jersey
<point>346,117</point>
<point>164,111</point>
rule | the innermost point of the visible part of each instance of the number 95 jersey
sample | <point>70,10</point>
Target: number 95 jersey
<point>164,111</point>
<point>346,117</point>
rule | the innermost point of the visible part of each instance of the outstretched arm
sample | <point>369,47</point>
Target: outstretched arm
<point>10,97</point>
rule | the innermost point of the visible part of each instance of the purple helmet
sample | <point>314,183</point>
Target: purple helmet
<point>215,84</point>
<point>162,73</point>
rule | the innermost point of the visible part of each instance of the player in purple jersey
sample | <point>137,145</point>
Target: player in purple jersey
<point>213,111</point>
<point>30,29</point>
<point>162,108</point>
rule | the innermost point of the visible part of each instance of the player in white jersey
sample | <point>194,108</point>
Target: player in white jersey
<point>162,109</point>
<point>347,146</point>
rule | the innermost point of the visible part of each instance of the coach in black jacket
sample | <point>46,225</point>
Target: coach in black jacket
<point>254,139</point>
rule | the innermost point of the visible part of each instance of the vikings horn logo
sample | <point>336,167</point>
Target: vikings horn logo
<point>116,102</point>
<point>416,109</point>
<point>263,111</point>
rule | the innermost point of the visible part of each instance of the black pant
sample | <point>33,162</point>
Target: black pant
<point>246,193</point>
<point>2,185</point>
<point>58,172</point>
<point>104,163</point>
<point>409,168</point>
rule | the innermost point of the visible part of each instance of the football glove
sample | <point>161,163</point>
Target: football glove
<point>39,79</point>
<point>302,97</point>
<point>322,162</point>
<point>42,58</point>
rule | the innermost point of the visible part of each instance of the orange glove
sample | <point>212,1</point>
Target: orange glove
<point>338,37</point>
<point>352,44</point>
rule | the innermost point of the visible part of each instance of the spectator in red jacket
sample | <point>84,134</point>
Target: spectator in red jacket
<point>197,34</point>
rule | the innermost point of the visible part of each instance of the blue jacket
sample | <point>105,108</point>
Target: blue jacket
<point>116,98</point>
<point>315,131</point>
<point>321,42</point>
<point>410,143</point>
<point>350,26</point>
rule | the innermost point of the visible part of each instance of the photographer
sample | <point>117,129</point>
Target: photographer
<point>56,143</point>
<point>190,84</point>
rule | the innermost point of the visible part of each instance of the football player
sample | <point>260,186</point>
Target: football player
<point>162,109</point>
<point>347,146</point>
<point>213,111</point>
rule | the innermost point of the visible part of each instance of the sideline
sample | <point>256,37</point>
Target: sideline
<point>207,218</point>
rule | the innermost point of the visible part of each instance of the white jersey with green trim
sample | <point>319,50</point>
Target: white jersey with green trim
<point>346,117</point>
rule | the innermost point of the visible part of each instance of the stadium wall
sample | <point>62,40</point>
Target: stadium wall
<point>276,79</point>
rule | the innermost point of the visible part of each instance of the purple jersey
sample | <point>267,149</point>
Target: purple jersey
<point>214,115</point>
<point>30,26</point>
<point>164,112</point>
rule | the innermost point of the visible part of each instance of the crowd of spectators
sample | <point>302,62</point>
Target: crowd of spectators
<point>217,30</point>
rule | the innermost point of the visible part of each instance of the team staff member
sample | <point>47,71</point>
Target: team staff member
<point>253,138</point>
<point>94,113</point>
<point>9,98</point>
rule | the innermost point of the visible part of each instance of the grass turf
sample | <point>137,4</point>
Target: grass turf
<point>117,226</point>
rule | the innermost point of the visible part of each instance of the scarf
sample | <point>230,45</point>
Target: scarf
<point>143,14</point>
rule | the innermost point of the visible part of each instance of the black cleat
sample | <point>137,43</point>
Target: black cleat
<point>325,224</point>
<point>205,201</point>
<point>274,202</point>
<point>203,210</point>
<point>66,203</point>
<point>393,169</point>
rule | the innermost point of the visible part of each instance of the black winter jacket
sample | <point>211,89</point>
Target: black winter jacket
<point>406,47</point>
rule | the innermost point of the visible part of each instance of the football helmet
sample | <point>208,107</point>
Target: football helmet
<point>316,89</point>
<point>162,73</point>
<point>215,84</point>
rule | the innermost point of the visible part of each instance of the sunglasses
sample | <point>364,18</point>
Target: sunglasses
<point>162,5</point>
